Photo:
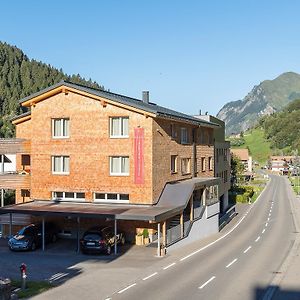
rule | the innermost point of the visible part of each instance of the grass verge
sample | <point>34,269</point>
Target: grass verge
<point>295,184</point>
<point>33,288</point>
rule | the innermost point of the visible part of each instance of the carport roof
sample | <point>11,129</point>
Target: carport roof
<point>120,212</point>
<point>173,200</point>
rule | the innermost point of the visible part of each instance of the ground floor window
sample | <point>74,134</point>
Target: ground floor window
<point>111,197</point>
<point>68,196</point>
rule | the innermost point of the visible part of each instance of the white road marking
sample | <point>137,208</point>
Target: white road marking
<point>169,266</point>
<point>231,263</point>
<point>268,219</point>
<point>263,230</point>
<point>220,238</point>
<point>223,236</point>
<point>266,224</point>
<point>153,274</point>
<point>269,214</point>
<point>207,282</point>
<point>58,276</point>
<point>127,288</point>
<point>245,251</point>
<point>258,238</point>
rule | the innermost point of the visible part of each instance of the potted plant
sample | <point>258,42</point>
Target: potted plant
<point>146,236</point>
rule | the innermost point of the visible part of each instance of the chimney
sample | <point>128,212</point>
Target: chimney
<point>146,97</point>
<point>200,112</point>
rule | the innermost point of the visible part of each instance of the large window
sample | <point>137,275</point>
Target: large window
<point>60,128</point>
<point>119,127</point>
<point>68,196</point>
<point>184,136</point>
<point>119,165</point>
<point>111,197</point>
<point>173,163</point>
<point>185,165</point>
<point>60,164</point>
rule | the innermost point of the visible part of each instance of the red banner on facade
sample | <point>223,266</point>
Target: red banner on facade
<point>139,155</point>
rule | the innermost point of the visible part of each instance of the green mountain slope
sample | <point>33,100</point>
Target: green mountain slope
<point>266,98</point>
<point>259,147</point>
<point>20,77</point>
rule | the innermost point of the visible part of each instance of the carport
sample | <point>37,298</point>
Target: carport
<point>43,209</point>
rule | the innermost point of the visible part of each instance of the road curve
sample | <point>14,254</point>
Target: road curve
<point>237,266</point>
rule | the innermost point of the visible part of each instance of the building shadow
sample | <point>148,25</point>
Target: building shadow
<point>274,292</point>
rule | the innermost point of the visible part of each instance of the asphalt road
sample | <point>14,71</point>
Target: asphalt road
<point>241,265</point>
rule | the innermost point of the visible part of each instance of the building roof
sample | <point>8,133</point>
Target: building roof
<point>282,158</point>
<point>242,154</point>
<point>159,111</point>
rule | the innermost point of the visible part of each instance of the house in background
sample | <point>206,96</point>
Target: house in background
<point>245,158</point>
<point>94,157</point>
<point>281,163</point>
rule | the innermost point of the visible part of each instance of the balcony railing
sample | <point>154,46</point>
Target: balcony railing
<point>14,180</point>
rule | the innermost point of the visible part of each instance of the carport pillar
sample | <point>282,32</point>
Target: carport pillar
<point>10,224</point>
<point>43,234</point>
<point>158,240</point>
<point>164,232</point>
<point>181,225</point>
<point>115,245</point>
<point>78,228</point>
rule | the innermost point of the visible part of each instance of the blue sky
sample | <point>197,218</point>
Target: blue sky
<point>190,55</point>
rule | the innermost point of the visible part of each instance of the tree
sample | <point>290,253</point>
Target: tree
<point>237,169</point>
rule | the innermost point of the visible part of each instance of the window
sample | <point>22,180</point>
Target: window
<point>185,165</point>
<point>173,131</point>
<point>173,163</point>
<point>60,128</point>
<point>119,165</point>
<point>203,164</point>
<point>119,127</point>
<point>184,138</point>
<point>67,196</point>
<point>111,197</point>
<point>60,164</point>
<point>210,163</point>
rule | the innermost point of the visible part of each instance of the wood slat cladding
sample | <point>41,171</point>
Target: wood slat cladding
<point>14,181</point>
<point>12,146</point>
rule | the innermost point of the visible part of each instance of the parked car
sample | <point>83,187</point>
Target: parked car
<point>100,240</point>
<point>30,236</point>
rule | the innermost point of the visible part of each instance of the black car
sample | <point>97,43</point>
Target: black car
<point>100,240</point>
<point>30,236</point>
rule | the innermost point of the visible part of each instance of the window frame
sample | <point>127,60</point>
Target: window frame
<point>203,164</point>
<point>62,162</point>
<point>182,141</point>
<point>106,200</point>
<point>175,164</point>
<point>64,198</point>
<point>174,133</point>
<point>210,163</point>
<point>120,165</point>
<point>62,121</point>
<point>189,165</point>
<point>120,135</point>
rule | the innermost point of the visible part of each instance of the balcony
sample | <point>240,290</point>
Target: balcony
<point>13,146</point>
<point>14,180</point>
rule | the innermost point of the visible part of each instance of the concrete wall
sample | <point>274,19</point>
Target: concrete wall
<point>201,228</point>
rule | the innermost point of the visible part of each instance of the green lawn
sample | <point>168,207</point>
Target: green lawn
<point>295,184</point>
<point>33,288</point>
<point>259,148</point>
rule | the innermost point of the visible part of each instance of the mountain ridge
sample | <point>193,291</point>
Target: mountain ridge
<point>267,97</point>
